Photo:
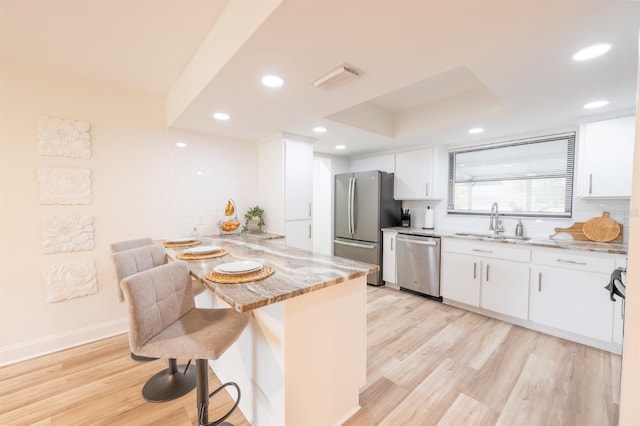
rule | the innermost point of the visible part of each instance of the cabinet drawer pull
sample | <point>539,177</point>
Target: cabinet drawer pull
<point>475,267</point>
<point>539,282</point>
<point>482,251</point>
<point>487,273</point>
<point>573,262</point>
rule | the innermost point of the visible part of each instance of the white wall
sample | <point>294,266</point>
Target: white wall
<point>630,386</point>
<point>205,174</point>
<point>129,166</point>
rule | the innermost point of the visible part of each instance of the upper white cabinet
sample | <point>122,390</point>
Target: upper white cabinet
<point>606,158</point>
<point>416,175</point>
<point>286,187</point>
<point>298,183</point>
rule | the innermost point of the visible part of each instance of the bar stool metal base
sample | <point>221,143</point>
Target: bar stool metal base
<point>170,383</point>
<point>141,358</point>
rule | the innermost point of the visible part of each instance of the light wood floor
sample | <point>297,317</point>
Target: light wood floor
<point>432,364</point>
<point>428,364</point>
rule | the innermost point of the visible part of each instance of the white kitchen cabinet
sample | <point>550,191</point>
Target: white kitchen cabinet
<point>460,278</point>
<point>286,187</point>
<point>389,257</point>
<point>298,179</point>
<point>606,158</point>
<point>567,292</point>
<point>491,276</point>
<point>414,175</point>
<point>298,233</point>
<point>618,309</point>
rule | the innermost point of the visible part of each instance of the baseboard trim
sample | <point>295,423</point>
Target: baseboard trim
<point>46,345</point>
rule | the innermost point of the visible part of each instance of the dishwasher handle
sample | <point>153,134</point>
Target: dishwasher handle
<point>422,243</point>
<point>418,239</point>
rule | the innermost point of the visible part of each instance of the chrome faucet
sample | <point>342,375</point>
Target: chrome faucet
<point>495,223</point>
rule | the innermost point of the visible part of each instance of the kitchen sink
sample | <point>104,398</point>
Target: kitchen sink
<point>493,237</point>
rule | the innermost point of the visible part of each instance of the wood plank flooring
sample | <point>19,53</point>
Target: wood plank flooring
<point>433,364</point>
<point>428,364</point>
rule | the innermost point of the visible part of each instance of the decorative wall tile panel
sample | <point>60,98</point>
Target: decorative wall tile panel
<point>67,233</point>
<point>70,280</point>
<point>64,185</point>
<point>63,138</point>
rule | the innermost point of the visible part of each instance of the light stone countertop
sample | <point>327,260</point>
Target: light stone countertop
<point>296,271</point>
<point>560,242</point>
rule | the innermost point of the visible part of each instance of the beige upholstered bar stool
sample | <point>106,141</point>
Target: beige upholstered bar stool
<point>130,244</point>
<point>164,322</point>
<point>127,245</point>
<point>176,380</point>
<point>198,288</point>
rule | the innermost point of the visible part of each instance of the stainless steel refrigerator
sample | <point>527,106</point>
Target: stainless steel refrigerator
<point>364,205</point>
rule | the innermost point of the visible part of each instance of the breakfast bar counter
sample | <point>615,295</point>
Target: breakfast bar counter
<point>302,359</point>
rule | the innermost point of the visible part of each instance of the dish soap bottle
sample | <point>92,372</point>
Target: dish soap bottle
<point>519,229</point>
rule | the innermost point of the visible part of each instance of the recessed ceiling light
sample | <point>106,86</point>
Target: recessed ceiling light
<point>595,104</point>
<point>319,129</point>
<point>591,52</point>
<point>476,130</point>
<point>272,81</point>
<point>341,147</point>
<point>181,144</point>
<point>221,116</point>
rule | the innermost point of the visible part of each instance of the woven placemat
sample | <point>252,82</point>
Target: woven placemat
<point>260,274</point>
<point>189,256</point>
<point>176,245</point>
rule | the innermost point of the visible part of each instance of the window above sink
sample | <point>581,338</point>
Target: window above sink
<point>532,177</point>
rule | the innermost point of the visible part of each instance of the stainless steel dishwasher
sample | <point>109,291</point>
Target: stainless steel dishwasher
<point>418,264</point>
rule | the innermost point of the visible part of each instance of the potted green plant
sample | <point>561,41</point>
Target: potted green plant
<point>254,217</point>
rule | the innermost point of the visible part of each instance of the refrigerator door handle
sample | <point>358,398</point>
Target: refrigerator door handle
<point>366,246</point>
<point>352,197</point>
<point>349,207</point>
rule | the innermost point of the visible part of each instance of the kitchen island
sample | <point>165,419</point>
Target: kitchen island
<point>302,359</point>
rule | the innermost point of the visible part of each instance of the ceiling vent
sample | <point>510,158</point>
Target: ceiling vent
<point>343,73</point>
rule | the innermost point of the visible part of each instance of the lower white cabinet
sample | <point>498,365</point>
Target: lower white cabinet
<point>389,257</point>
<point>298,234</point>
<point>567,292</point>
<point>504,288</point>
<point>573,301</point>
<point>558,291</point>
<point>490,276</point>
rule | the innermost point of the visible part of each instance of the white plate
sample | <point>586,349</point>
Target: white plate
<point>202,250</point>
<point>240,267</point>
<point>181,240</point>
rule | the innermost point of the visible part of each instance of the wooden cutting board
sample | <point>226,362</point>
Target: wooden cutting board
<point>574,230</point>
<point>602,229</point>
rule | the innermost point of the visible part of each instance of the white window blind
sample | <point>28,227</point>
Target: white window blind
<point>533,177</point>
